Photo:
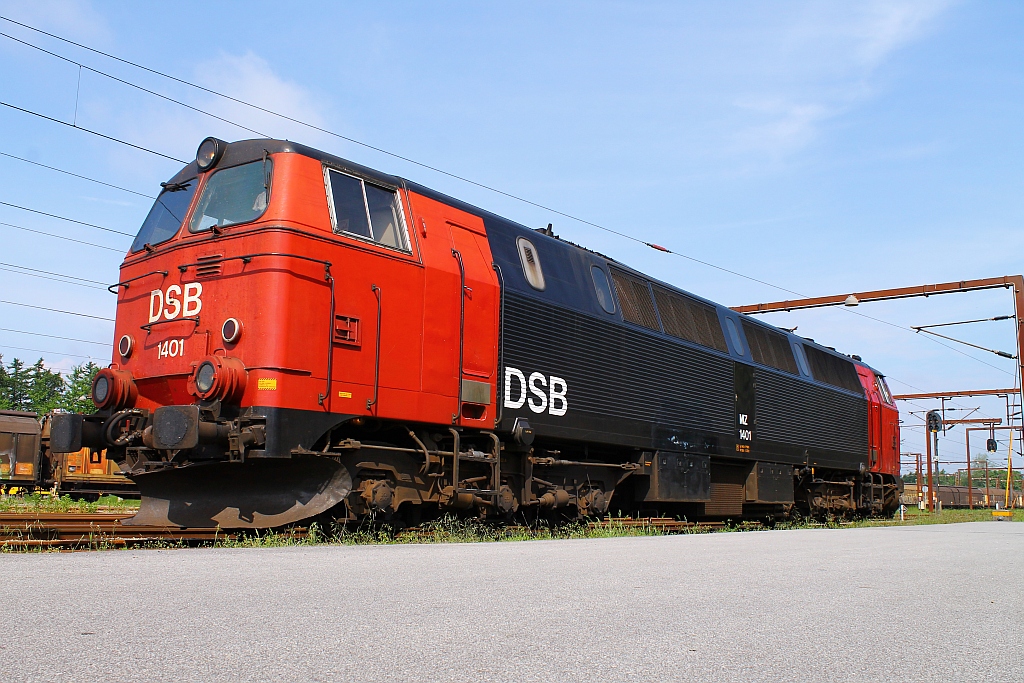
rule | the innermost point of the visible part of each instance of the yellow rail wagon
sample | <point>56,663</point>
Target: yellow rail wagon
<point>27,463</point>
<point>20,438</point>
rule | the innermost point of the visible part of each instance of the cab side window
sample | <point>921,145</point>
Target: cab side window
<point>603,288</point>
<point>363,210</point>
<point>883,389</point>
<point>530,259</point>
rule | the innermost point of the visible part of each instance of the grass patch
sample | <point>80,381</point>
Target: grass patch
<point>914,516</point>
<point>44,502</point>
<point>449,529</point>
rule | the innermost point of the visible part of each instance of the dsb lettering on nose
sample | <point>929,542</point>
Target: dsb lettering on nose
<point>171,303</point>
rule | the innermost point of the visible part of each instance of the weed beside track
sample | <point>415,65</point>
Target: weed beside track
<point>44,523</point>
<point>44,502</point>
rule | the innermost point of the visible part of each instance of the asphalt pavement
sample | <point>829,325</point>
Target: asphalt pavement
<point>926,603</point>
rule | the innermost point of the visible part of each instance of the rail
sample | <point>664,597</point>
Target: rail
<point>61,530</point>
<point>95,531</point>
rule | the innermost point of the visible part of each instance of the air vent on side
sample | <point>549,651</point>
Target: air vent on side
<point>769,347</point>
<point>833,370</point>
<point>689,319</point>
<point>208,266</point>
<point>635,300</point>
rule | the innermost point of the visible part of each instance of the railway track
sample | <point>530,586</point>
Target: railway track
<point>664,524</point>
<point>22,530</point>
<point>85,531</point>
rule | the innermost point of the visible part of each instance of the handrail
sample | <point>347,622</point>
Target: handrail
<point>377,293</point>
<point>499,381</point>
<point>326,396</point>
<point>456,446</point>
<point>124,283</point>
<point>246,258</point>
<point>462,328</point>
<point>149,326</point>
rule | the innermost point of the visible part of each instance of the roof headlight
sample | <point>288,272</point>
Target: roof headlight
<point>209,153</point>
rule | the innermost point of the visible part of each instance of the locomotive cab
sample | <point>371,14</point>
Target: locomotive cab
<point>269,297</point>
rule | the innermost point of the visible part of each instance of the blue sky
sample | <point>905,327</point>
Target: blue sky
<point>822,147</point>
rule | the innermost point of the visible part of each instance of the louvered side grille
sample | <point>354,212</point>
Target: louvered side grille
<point>726,499</point>
<point>208,266</point>
<point>635,300</point>
<point>793,412</point>
<point>769,347</point>
<point>689,319</point>
<point>833,370</point>
<point>619,372</point>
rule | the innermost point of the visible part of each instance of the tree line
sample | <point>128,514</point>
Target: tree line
<point>37,389</point>
<point>997,476</point>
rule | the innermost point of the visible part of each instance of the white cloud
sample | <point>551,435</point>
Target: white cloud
<point>177,131</point>
<point>887,26</point>
<point>75,19</point>
<point>823,66</point>
<point>250,78</point>
<point>787,125</point>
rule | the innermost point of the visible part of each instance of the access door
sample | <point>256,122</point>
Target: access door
<point>478,312</point>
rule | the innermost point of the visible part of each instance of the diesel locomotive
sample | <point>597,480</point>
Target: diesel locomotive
<point>299,335</point>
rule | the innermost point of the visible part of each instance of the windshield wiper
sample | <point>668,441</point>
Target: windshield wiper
<point>176,187</point>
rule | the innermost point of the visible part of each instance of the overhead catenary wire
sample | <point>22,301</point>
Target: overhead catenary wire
<point>51,353</point>
<point>76,175</point>
<point>63,279</point>
<point>130,84</point>
<point>56,310</point>
<point>88,130</point>
<point>62,237</point>
<point>1001,354</point>
<point>54,336</point>
<point>361,144</point>
<point>48,272</point>
<point>411,161</point>
<point>397,156</point>
<point>65,218</point>
<point>402,158</point>
<point>966,322</point>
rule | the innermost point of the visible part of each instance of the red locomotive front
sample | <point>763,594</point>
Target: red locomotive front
<point>254,309</point>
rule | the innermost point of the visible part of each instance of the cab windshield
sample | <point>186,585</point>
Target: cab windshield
<point>168,212</point>
<point>233,195</point>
